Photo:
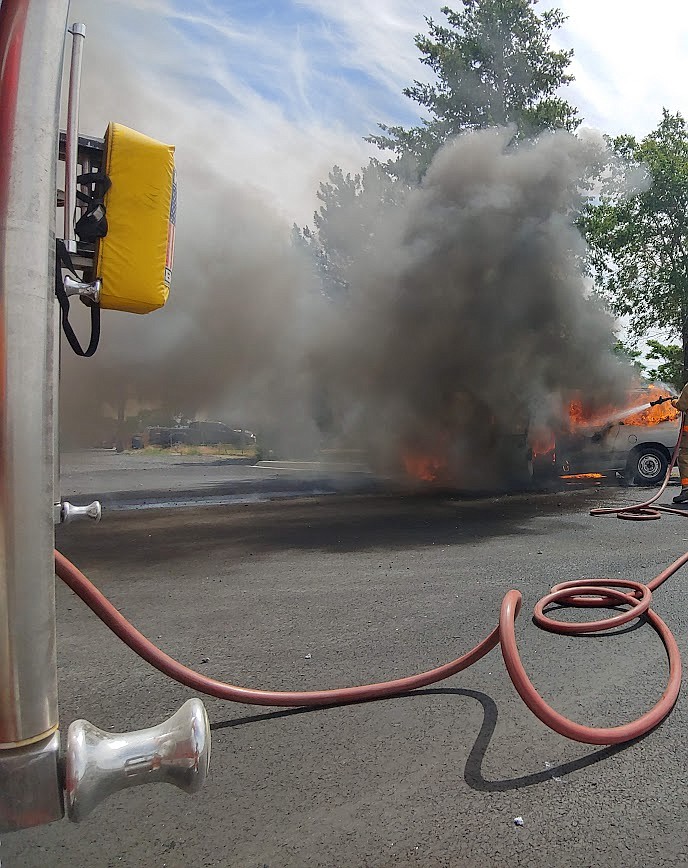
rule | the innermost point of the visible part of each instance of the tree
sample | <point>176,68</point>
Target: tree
<point>639,242</point>
<point>352,206</point>
<point>670,371</point>
<point>494,65</point>
<point>630,356</point>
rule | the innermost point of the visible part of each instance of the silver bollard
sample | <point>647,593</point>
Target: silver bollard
<point>99,763</point>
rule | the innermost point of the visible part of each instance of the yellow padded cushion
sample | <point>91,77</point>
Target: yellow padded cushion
<point>134,260</point>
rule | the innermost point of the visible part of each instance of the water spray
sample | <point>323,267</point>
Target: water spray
<point>617,418</point>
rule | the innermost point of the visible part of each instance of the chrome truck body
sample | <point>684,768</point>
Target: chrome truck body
<point>32,34</point>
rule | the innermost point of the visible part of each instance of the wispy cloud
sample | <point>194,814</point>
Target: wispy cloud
<point>290,88</point>
<point>267,111</point>
<point>377,38</point>
<point>630,61</point>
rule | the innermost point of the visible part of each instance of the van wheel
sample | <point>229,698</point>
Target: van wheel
<point>647,466</point>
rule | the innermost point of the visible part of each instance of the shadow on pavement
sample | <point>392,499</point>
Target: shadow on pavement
<point>473,775</point>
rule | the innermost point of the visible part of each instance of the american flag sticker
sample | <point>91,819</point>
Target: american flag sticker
<point>169,257</point>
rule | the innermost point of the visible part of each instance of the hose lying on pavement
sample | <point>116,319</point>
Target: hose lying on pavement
<point>585,592</point>
<point>598,593</point>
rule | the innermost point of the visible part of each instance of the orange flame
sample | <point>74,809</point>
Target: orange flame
<point>542,441</point>
<point>579,415</point>
<point>427,468</point>
<point>653,415</point>
<point>429,462</point>
<point>582,416</point>
<point>582,476</point>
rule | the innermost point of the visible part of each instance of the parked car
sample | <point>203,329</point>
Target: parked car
<point>215,433</point>
<point>198,434</point>
<point>156,435</point>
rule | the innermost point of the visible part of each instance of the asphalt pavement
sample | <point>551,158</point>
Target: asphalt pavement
<point>339,589</point>
<point>137,480</point>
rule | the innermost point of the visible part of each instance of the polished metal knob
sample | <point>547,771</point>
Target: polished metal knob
<point>70,512</point>
<point>90,291</point>
<point>99,763</point>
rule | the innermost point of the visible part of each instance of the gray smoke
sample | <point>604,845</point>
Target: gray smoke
<point>469,321</point>
<point>466,317</point>
<point>229,343</point>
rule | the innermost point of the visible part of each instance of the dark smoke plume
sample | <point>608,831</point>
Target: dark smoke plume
<point>464,323</point>
<point>469,321</point>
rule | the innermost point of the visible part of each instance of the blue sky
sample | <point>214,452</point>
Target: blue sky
<point>284,90</point>
<point>295,56</point>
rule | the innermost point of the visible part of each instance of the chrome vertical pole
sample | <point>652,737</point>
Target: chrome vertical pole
<point>32,34</point>
<point>78,32</point>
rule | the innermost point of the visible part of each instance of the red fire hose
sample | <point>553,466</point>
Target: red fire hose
<point>600,593</point>
<point>591,592</point>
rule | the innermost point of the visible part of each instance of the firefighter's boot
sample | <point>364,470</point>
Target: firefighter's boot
<point>682,497</point>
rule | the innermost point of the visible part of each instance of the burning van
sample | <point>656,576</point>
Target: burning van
<point>468,449</point>
<point>635,442</point>
<point>479,452</point>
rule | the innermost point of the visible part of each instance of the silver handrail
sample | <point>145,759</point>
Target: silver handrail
<point>78,32</point>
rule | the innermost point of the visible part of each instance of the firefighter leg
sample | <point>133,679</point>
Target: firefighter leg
<point>683,468</point>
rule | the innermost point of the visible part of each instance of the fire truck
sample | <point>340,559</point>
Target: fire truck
<point>44,775</point>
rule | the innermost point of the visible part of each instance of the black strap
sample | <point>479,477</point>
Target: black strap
<point>100,182</point>
<point>95,178</point>
<point>63,259</point>
<point>93,224</point>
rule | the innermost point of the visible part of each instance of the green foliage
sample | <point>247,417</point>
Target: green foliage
<point>639,243</point>
<point>352,206</point>
<point>494,65</point>
<point>630,356</point>
<point>670,371</point>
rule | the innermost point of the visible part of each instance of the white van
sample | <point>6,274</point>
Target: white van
<point>639,453</point>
